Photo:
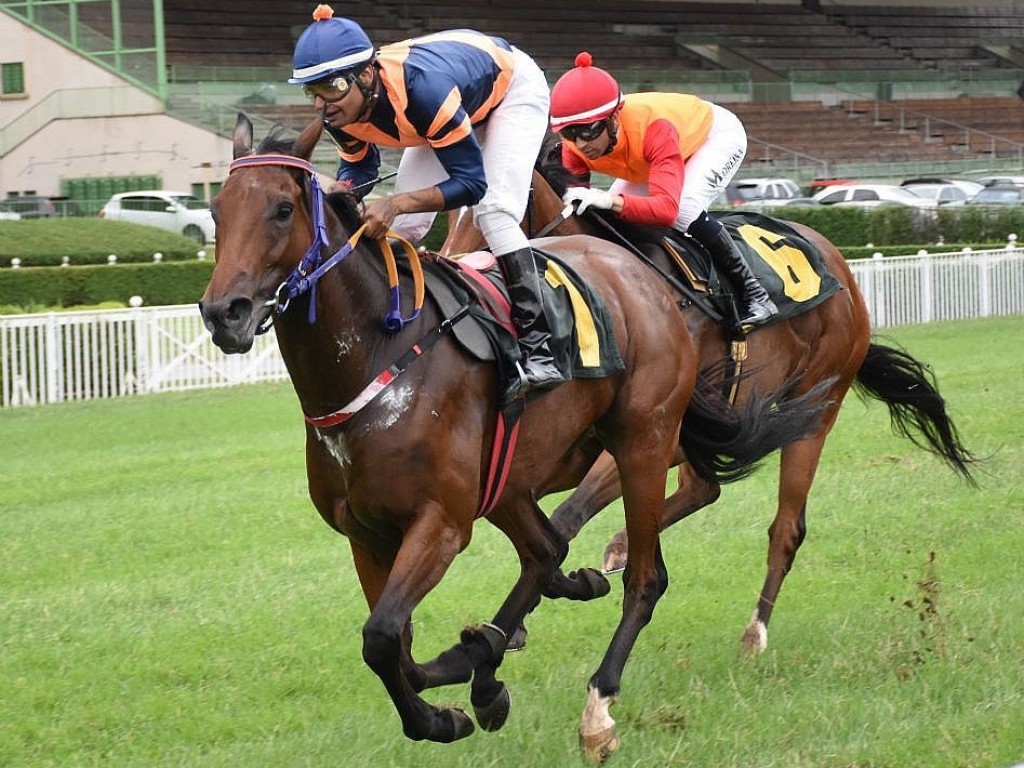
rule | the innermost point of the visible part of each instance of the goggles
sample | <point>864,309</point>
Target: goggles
<point>585,132</point>
<point>330,90</point>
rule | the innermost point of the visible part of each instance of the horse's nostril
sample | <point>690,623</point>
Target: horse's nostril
<point>238,311</point>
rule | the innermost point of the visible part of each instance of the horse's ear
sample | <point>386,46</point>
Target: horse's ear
<point>307,140</point>
<point>242,136</point>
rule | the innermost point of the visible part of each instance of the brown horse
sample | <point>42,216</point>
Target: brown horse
<point>400,423</point>
<point>830,342</point>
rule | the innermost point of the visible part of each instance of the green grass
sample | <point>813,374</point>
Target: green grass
<point>171,598</point>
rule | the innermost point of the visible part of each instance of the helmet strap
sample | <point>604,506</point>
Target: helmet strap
<point>371,93</point>
<point>613,133</point>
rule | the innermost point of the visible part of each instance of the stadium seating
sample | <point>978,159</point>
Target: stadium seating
<point>632,38</point>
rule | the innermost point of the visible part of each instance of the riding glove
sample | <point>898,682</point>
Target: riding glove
<point>588,197</point>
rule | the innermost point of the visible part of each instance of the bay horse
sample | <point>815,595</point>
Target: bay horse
<point>831,342</point>
<point>400,422</point>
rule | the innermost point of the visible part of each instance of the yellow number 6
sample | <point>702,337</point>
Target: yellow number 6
<point>799,280</point>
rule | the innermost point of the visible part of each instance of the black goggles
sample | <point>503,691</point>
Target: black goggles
<point>333,89</point>
<point>584,132</point>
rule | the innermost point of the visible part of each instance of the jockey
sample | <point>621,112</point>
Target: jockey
<point>646,141</point>
<point>471,112</point>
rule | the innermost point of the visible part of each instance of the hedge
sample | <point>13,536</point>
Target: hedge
<point>46,242</point>
<point>181,278</point>
<point>35,288</point>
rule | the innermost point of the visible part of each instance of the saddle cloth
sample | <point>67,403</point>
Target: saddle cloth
<point>582,341</point>
<point>785,262</point>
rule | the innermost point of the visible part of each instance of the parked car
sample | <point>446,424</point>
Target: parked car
<point>988,181</point>
<point>871,196</point>
<point>29,206</point>
<point>754,192</point>
<point>999,194</point>
<point>817,185</point>
<point>174,211</point>
<point>943,191</point>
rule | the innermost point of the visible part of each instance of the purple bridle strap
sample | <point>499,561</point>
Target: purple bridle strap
<point>306,275</point>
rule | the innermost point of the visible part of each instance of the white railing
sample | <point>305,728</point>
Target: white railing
<point>905,290</point>
<point>56,357</point>
<point>59,356</point>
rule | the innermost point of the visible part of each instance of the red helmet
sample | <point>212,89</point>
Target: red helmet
<point>584,94</point>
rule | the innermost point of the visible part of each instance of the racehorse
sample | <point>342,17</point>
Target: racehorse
<point>830,342</point>
<point>400,422</point>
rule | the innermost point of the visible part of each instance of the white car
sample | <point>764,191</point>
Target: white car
<point>174,211</point>
<point>943,191</point>
<point>871,196</point>
<point>758,192</point>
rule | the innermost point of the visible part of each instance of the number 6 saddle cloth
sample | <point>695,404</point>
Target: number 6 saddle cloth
<point>785,262</point>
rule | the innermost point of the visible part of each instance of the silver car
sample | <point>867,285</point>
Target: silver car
<point>174,211</point>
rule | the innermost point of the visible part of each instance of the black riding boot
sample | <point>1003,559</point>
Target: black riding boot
<point>520,271</point>
<point>758,307</point>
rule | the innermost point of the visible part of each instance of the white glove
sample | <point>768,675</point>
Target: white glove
<point>588,197</point>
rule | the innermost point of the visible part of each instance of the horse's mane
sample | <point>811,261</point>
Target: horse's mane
<point>345,206</point>
<point>549,166</point>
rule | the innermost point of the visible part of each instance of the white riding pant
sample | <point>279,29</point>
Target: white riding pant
<point>510,140</point>
<point>708,170</point>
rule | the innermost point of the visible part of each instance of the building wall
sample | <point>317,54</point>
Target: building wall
<point>88,147</point>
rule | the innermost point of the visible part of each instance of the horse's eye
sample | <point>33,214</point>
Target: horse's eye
<point>285,211</point>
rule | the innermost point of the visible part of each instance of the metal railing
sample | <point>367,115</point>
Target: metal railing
<point>66,356</point>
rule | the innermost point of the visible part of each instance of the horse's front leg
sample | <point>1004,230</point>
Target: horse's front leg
<point>427,549</point>
<point>481,649</point>
<point>599,488</point>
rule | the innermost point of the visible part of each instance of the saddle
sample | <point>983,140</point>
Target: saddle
<point>787,264</point>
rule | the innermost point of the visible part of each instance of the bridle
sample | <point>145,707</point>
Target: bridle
<point>313,266</point>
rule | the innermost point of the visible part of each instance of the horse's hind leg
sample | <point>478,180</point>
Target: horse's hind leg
<point>786,533</point>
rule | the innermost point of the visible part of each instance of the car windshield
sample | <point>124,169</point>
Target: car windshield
<point>192,203</point>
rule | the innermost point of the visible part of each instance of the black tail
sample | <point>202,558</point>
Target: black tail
<point>916,409</point>
<point>724,443</point>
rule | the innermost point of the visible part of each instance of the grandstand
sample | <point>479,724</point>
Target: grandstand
<point>847,90</point>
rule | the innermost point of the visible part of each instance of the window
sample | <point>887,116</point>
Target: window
<point>12,78</point>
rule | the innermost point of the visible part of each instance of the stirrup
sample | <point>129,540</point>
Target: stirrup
<point>517,385</point>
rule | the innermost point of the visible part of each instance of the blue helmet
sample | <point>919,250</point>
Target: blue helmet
<point>329,46</point>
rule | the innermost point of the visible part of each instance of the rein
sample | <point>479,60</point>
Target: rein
<point>312,267</point>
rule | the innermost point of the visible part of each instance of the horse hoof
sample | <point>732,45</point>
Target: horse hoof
<point>492,716</point>
<point>755,638</point>
<point>614,562</point>
<point>596,582</point>
<point>461,725</point>
<point>599,746</point>
<point>518,640</point>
